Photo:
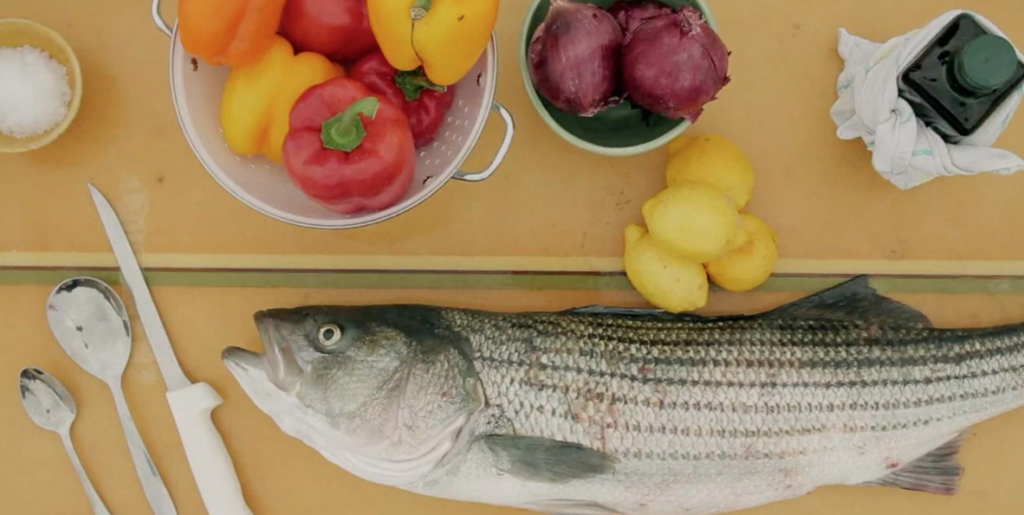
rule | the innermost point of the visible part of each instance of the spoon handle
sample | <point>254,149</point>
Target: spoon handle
<point>153,486</point>
<point>95,502</point>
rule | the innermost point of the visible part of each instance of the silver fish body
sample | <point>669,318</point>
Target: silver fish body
<point>599,411</point>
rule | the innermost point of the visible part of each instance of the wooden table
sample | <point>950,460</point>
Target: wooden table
<point>544,233</point>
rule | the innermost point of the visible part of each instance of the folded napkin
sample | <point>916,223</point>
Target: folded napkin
<point>905,151</point>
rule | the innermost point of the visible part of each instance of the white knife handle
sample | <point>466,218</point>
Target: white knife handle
<point>207,456</point>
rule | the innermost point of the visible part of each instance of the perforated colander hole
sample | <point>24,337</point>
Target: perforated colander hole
<point>450,153</point>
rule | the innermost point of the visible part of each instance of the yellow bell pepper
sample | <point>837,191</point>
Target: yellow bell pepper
<point>258,98</point>
<point>445,37</point>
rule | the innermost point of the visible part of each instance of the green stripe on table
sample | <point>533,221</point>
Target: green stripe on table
<point>486,281</point>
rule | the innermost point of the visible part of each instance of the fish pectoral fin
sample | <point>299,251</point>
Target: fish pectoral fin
<point>936,472</point>
<point>852,300</point>
<point>548,461</point>
<point>570,507</point>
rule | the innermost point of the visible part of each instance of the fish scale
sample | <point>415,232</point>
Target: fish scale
<point>714,387</point>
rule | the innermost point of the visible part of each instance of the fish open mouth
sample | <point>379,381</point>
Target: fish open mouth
<point>278,361</point>
<point>244,358</point>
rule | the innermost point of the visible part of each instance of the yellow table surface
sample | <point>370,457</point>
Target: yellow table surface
<point>281,476</point>
<point>551,205</point>
<point>553,215</point>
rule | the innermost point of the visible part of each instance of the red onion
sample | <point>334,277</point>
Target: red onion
<point>673,64</point>
<point>575,56</point>
<point>630,14</point>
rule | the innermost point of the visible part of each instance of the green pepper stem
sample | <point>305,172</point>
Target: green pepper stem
<point>345,130</point>
<point>412,83</point>
<point>419,9</point>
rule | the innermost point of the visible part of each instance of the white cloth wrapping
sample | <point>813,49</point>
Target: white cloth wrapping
<point>905,151</point>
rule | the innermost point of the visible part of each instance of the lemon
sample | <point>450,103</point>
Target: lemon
<point>678,144</point>
<point>663,279</point>
<point>693,220</point>
<point>740,239</point>
<point>715,161</point>
<point>750,265</point>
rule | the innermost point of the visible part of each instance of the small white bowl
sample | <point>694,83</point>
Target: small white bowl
<point>15,32</point>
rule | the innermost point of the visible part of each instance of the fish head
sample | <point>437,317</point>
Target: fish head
<point>384,392</point>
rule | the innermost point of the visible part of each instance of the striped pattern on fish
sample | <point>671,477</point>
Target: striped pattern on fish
<point>671,389</point>
<point>603,411</point>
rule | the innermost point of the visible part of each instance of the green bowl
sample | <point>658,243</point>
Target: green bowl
<point>617,131</point>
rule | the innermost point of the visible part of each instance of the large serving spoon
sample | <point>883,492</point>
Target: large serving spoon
<point>89,321</point>
<point>51,407</point>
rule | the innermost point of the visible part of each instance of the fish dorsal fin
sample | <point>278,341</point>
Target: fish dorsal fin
<point>548,461</point>
<point>936,472</point>
<point>852,300</point>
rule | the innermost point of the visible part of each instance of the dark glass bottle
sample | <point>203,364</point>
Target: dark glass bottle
<point>961,78</point>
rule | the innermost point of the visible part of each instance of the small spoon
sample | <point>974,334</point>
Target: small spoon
<point>51,407</point>
<point>89,321</point>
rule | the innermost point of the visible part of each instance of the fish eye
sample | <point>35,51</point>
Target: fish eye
<point>329,335</point>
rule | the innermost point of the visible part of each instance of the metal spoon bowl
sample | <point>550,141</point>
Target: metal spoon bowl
<point>51,407</point>
<point>47,402</point>
<point>91,324</point>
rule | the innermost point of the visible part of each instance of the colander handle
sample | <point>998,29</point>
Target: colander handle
<point>499,157</point>
<point>159,20</point>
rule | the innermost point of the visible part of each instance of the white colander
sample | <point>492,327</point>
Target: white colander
<point>264,186</point>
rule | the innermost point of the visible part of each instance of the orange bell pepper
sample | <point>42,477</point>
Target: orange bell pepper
<point>228,32</point>
<point>258,98</point>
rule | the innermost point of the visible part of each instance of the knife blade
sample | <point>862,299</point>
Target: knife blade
<point>191,403</point>
<point>170,369</point>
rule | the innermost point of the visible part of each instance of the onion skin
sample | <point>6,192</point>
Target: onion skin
<point>575,57</point>
<point>630,14</point>
<point>674,64</point>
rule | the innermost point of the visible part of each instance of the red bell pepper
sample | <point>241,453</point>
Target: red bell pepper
<point>425,104</point>
<point>349,149</point>
<point>339,29</point>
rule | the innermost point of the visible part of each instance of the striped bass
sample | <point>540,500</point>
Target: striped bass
<point>600,411</point>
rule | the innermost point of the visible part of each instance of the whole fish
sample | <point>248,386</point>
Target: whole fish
<point>600,411</point>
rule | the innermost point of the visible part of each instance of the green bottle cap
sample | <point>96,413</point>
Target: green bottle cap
<point>986,63</point>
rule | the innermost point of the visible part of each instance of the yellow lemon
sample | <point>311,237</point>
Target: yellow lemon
<point>695,221</point>
<point>663,279</point>
<point>715,161</point>
<point>679,144</point>
<point>740,239</point>
<point>750,265</point>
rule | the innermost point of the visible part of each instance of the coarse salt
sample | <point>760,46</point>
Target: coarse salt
<point>34,91</point>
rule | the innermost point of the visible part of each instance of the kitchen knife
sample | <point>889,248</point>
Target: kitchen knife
<point>191,403</point>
